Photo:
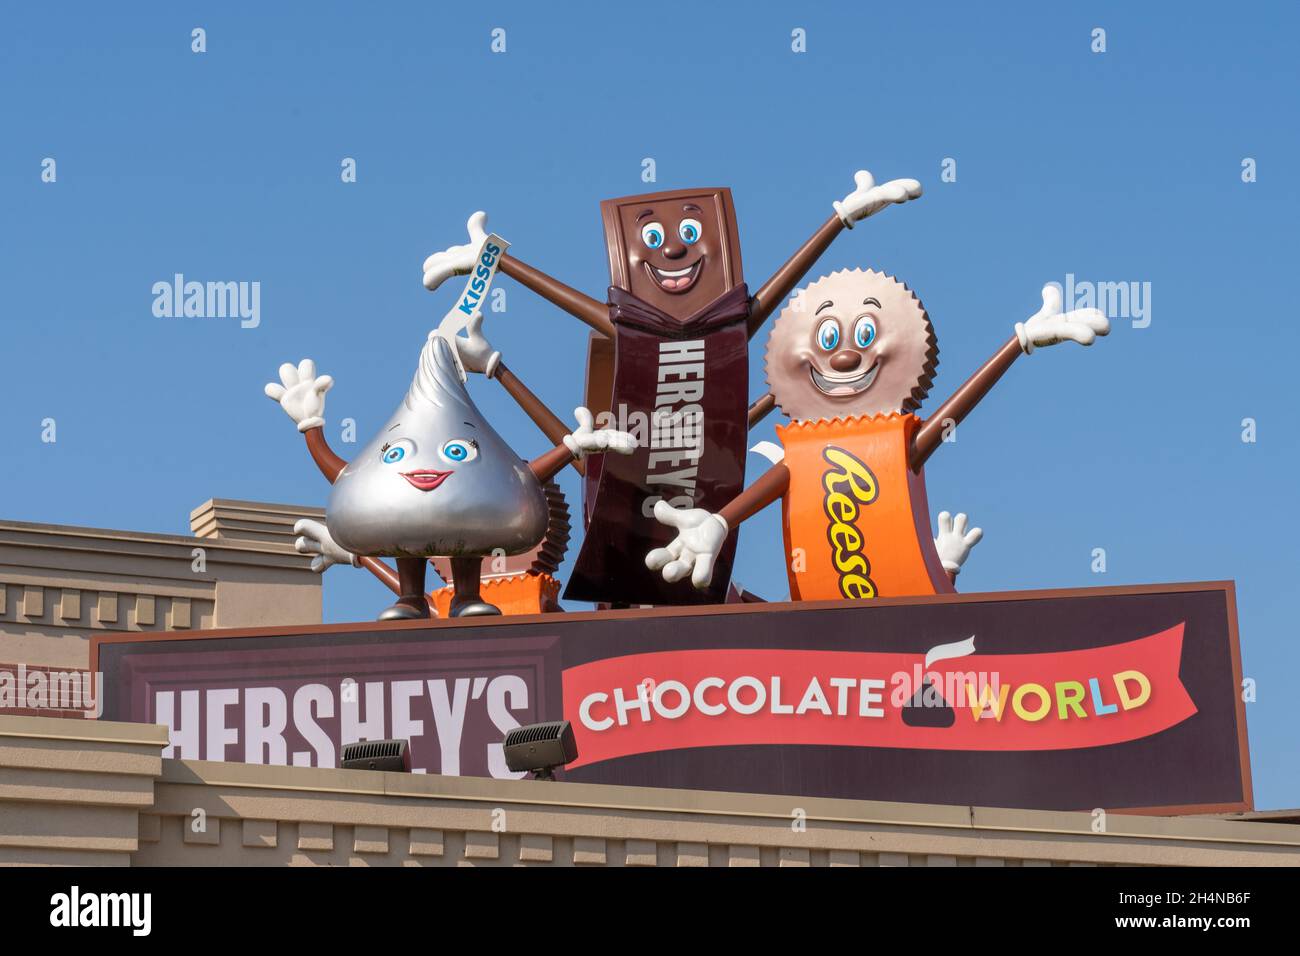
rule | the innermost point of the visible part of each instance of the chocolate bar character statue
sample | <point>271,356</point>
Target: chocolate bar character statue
<point>850,360</point>
<point>680,317</point>
<point>435,481</point>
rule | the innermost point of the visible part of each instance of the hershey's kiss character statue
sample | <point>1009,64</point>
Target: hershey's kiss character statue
<point>850,360</point>
<point>677,320</point>
<point>437,480</point>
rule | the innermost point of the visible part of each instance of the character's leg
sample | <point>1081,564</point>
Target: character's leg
<point>412,604</point>
<point>465,599</point>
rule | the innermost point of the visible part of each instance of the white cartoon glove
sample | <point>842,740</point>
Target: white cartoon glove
<point>700,536</point>
<point>867,198</point>
<point>476,352</point>
<point>1048,326</point>
<point>456,260</point>
<point>302,394</point>
<point>585,438</point>
<point>316,540</point>
<point>954,542</point>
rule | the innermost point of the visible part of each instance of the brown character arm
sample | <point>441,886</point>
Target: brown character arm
<point>547,466</point>
<point>930,435</point>
<point>770,486</point>
<point>584,307</point>
<point>329,463</point>
<point>545,419</point>
<point>761,408</point>
<point>774,290</point>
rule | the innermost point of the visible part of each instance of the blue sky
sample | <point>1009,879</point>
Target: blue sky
<point>1116,166</point>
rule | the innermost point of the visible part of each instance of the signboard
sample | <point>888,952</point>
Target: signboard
<point>1119,698</point>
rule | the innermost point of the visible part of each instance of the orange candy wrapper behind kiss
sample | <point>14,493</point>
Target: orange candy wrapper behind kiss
<point>527,593</point>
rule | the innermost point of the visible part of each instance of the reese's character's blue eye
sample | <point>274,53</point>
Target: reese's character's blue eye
<point>652,234</point>
<point>690,230</point>
<point>459,450</point>
<point>828,335</point>
<point>393,452</point>
<point>864,333</point>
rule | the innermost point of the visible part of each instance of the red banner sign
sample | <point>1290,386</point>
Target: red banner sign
<point>1060,700</point>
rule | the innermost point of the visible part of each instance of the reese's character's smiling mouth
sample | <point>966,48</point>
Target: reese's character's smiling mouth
<point>426,479</point>
<point>676,280</point>
<point>844,384</point>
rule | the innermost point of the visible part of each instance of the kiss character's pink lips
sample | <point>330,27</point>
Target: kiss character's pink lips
<point>426,479</point>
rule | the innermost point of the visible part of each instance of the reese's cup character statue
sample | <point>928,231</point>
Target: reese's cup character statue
<point>437,480</point>
<point>677,321</point>
<point>850,360</point>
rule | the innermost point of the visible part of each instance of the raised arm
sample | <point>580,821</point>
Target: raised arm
<point>535,408</point>
<point>1047,326</point>
<point>477,355</point>
<point>301,393</point>
<point>960,404</point>
<point>580,306</point>
<point>773,292</point>
<point>330,464</point>
<point>459,260</point>
<point>866,199</point>
<point>577,444</point>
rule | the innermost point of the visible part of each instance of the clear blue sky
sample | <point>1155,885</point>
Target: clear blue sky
<point>1121,166</point>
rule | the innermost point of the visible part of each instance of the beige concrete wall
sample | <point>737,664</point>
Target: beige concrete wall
<point>72,791</point>
<point>60,584</point>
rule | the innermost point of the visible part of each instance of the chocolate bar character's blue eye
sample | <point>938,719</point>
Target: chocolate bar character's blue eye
<point>459,450</point>
<point>690,231</point>
<point>864,333</point>
<point>652,234</point>
<point>394,452</point>
<point>828,335</point>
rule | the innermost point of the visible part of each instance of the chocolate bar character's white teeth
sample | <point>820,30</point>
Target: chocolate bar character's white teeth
<point>676,274</point>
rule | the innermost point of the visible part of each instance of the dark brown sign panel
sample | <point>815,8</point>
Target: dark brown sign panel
<point>1119,698</point>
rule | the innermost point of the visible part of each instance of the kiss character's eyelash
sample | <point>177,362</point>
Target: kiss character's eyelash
<point>385,448</point>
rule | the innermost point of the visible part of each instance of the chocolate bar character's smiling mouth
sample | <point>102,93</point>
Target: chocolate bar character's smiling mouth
<point>852,384</point>
<point>676,280</point>
<point>426,479</point>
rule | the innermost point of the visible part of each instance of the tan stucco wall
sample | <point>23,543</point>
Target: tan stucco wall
<point>98,792</point>
<point>60,584</point>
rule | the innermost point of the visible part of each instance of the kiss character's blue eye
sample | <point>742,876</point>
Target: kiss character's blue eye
<point>690,230</point>
<point>864,333</point>
<point>828,335</point>
<point>652,234</point>
<point>394,452</point>
<point>459,450</point>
